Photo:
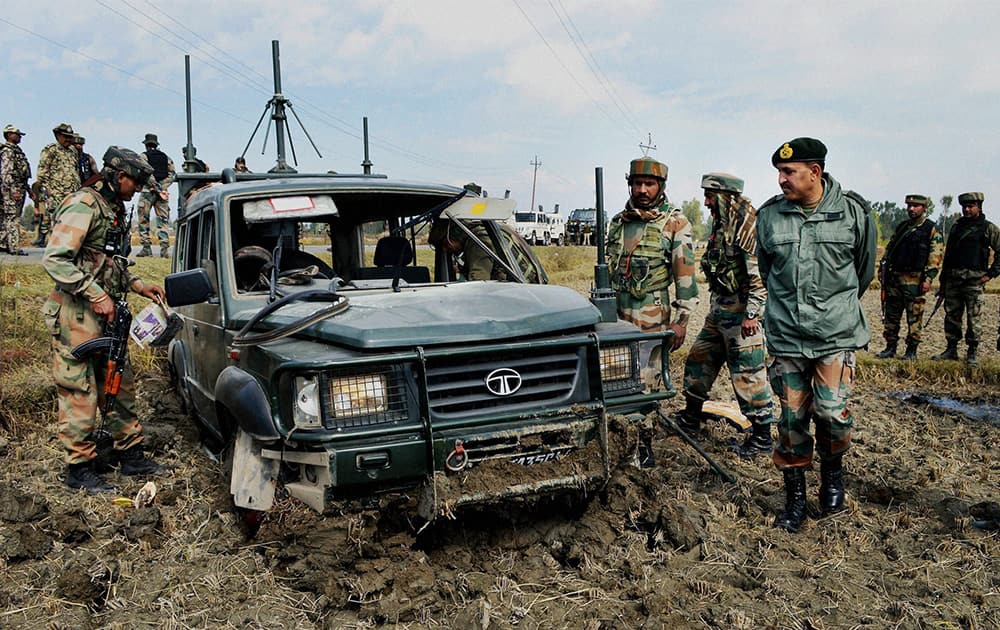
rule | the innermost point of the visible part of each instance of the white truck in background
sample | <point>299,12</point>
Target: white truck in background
<point>539,228</point>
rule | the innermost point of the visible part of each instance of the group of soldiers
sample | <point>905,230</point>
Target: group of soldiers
<point>916,255</point>
<point>63,168</point>
<point>805,257</point>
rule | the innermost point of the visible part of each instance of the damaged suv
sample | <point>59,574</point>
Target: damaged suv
<point>328,351</point>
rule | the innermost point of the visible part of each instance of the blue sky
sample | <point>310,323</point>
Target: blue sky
<point>902,93</point>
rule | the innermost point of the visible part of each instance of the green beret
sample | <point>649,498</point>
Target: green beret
<point>800,150</point>
<point>971,197</point>
<point>920,200</point>
<point>647,166</point>
<point>723,182</point>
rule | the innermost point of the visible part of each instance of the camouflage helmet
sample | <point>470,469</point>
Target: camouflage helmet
<point>128,162</point>
<point>647,166</point>
<point>971,197</point>
<point>722,182</point>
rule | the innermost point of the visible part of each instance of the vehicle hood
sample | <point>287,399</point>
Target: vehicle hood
<point>444,314</point>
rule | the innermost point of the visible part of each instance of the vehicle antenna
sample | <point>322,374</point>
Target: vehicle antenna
<point>189,150</point>
<point>602,295</point>
<point>367,164</point>
<point>277,106</point>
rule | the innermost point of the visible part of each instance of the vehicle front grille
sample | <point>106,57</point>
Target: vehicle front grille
<point>458,385</point>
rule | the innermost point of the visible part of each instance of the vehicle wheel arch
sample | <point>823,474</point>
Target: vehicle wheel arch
<point>240,398</point>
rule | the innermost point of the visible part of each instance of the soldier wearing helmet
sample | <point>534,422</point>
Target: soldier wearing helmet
<point>58,171</point>
<point>649,248</point>
<point>87,258</point>
<point>732,333</point>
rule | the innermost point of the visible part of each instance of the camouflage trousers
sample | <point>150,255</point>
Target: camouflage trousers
<point>721,341</point>
<point>151,199</point>
<point>10,224</point>
<point>80,384</point>
<point>46,217</point>
<point>902,294</point>
<point>963,297</point>
<point>817,390</point>
<point>650,314</point>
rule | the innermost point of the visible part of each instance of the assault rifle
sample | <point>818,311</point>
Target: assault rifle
<point>883,271</point>
<point>937,305</point>
<point>115,345</point>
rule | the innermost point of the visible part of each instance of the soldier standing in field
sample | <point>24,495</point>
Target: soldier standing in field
<point>14,175</point>
<point>87,165</point>
<point>59,173</point>
<point>965,272</point>
<point>649,248</point>
<point>155,197</point>
<point>86,258</point>
<point>911,261</point>
<point>732,334</point>
<point>817,257</point>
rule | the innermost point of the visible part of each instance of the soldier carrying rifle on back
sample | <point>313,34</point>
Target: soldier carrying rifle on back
<point>911,261</point>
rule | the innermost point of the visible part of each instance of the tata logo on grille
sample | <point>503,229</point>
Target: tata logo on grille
<point>503,382</point>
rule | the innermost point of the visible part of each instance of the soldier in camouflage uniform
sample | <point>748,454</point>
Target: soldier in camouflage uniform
<point>817,251</point>
<point>155,197</point>
<point>966,271</point>
<point>86,258</point>
<point>86,164</point>
<point>732,334</point>
<point>476,263</point>
<point>14,175</point>
<point>912,260</point>
<point>58,172</point>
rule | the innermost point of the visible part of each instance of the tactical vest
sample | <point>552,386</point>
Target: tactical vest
<point>644,269</point>
<point>158,160</point>
<point>723,264</point>
<point>967,248</point>
<point>86,167</point>
<point>910,249</point>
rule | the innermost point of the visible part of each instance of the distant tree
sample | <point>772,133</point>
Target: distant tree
<point>699,225</point>
<point>887,216</point>
<point>947,218</point>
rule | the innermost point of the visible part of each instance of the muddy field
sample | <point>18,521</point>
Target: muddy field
<point>674,546</point>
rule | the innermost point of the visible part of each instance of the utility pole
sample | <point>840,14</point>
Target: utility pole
<point>648,146</point>
<point>534,178</point>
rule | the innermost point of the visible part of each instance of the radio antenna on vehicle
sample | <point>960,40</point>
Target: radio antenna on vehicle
<point>277,106</point>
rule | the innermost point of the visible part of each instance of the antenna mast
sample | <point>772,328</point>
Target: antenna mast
<point>277,106</point>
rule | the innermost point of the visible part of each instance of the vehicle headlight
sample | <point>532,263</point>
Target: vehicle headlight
<point>618,363</point>
<point>359,395</point>
<point>307,408</point>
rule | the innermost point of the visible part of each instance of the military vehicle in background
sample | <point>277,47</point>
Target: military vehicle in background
<point>335,373</point>
<point>581,227</point>
<point>539,228</point>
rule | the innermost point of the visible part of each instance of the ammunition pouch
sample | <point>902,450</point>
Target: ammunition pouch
<point>724,273</point>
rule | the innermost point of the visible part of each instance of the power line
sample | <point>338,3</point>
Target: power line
<point>563,64</point>
<point>595,67</point>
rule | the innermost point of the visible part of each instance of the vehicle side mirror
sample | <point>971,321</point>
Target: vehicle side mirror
<point>188,287</point>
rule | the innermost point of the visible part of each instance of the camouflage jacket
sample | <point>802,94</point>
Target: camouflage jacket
<point>816,267</point>
<point>732,246</point>
<point>77,256</point>
<point>646,256</point>
<point>14,170</point>
<point>57,170</point>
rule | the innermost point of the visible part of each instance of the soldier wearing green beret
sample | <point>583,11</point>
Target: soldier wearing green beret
<point>911,261</point>
<point>732,333</point>
<point>817,257</point>
<point>86,256</point>
<point>966,271</point>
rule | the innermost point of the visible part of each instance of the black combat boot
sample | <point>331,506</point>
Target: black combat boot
<point>82,475</point>
<point>970,358</point>
<point>135,462</point>
<point>759,441</point>
<point>145,251</point>
<point>950,353</point>
<point>795,500</point>
<point>911,351</point>
<point>889,352</point>
<point>831,487</point>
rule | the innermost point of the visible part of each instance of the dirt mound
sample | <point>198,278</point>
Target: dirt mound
<point>672,546</point>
